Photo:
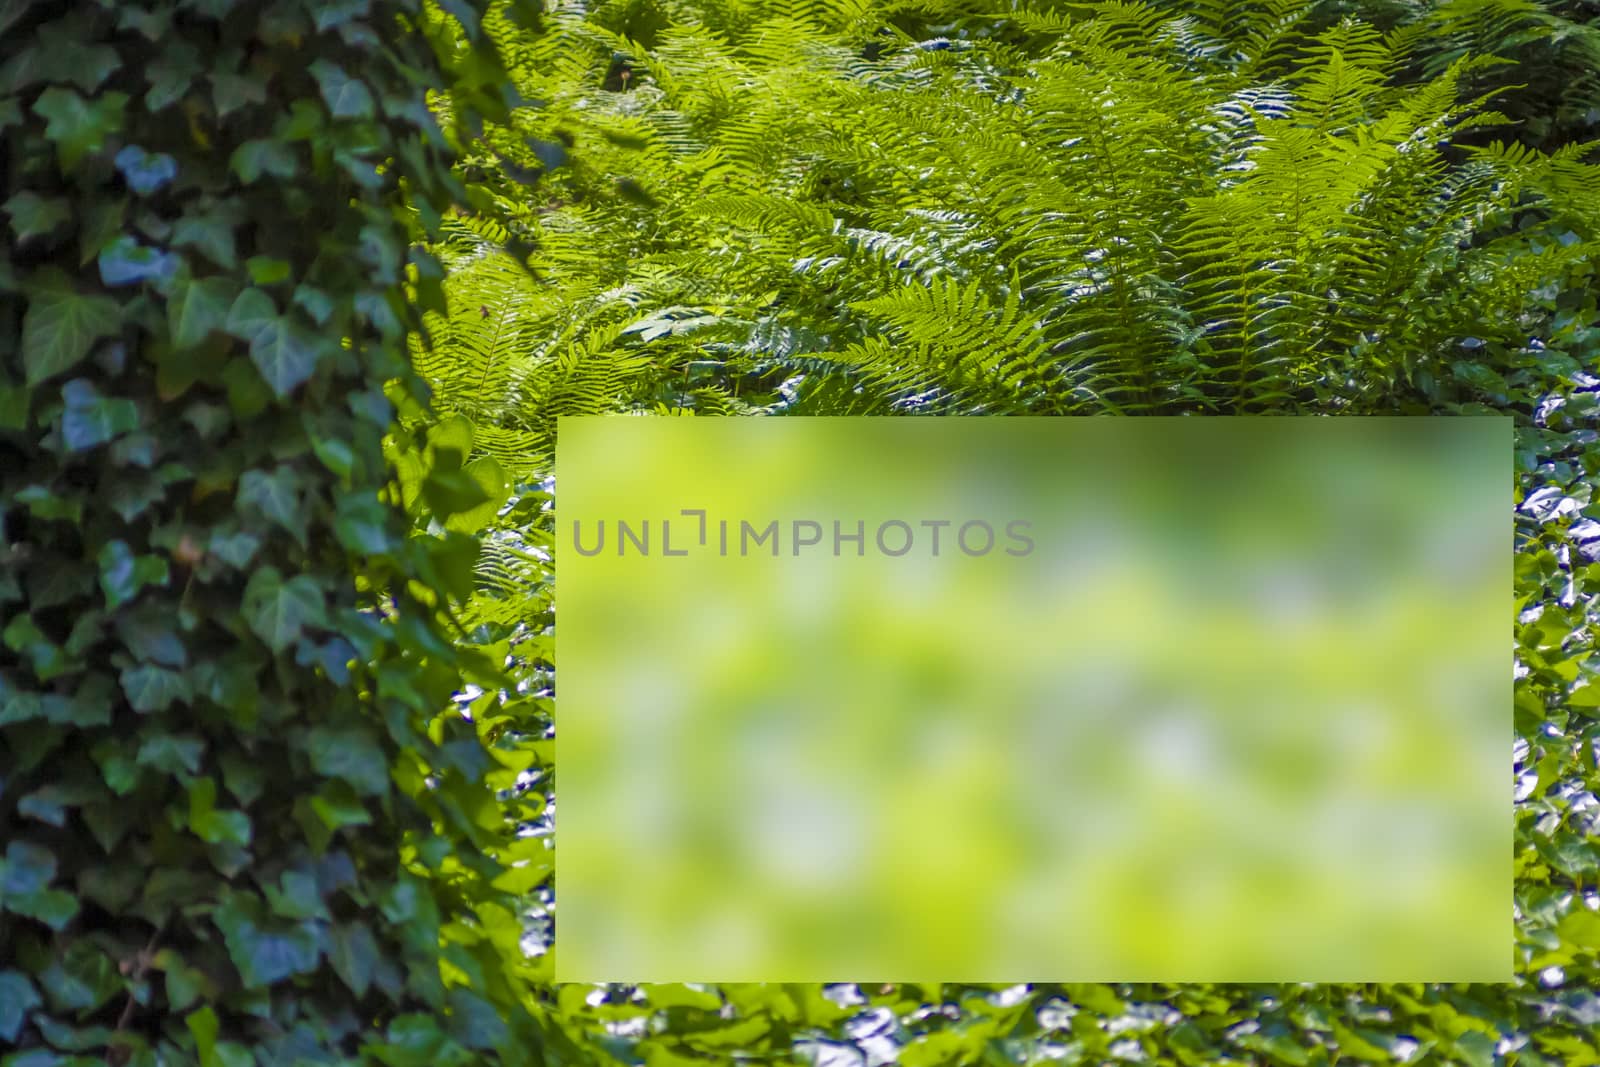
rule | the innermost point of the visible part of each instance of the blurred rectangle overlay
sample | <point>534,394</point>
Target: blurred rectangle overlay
<point>1018,699</point>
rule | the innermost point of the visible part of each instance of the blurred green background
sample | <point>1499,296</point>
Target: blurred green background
<point>1239,716</point>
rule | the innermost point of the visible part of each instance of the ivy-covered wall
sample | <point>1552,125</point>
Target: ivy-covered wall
<point>234,827</point>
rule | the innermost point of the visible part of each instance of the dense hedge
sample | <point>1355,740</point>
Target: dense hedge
<point>235,828</point>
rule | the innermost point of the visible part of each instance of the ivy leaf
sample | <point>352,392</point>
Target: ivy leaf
<point>314,302</point>
<point>275,496</point>
<point>25,876</point>
<point>263,951</point>
<point>230,92</point>
<point>27,868</point>
<point>415,1040</point>
<point>89,419</point>
<point>151,688</point>
<point>148,632</point>
<point>496,487</point>
<point>286,354</point>
<point>209,234</point>
<point>170,73</point>
<point>350,755</point>
<point>235,548</point>
<point>78,126</point>
<point>33,215</point>
<point>335,13</point>
<point>362,525</point>
<point>196,309</point>
<point>474,1021</point>
<point>252,314</point>
<point>53,907</point>
<point>145,172</point>
<point>337,806</point>
<point>18,997</point>
<point>184,984</point>
<point>335,454</point>
<point>123,574</point>
<point>353,952</point>
<point>23,635</point>
<point>452,492</point>
<point>172,754</point>
<point>80,980</point>
<point>278,611</point>
<point>255,158</point>
<point>62,325</point>
<point>346,97</point>
<point>127,262</point>
<point>61,51</point>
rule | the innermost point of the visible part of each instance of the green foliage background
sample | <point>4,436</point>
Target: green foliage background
<point>826,208</point>
<point>256,561</point>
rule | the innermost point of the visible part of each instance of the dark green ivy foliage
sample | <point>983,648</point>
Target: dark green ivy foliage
<point>235,827</point>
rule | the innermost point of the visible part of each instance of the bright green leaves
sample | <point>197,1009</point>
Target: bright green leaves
<point>452,492</point>
<point>278,611</point>
<point>62,325</point>
<point>264,950</point>
<point>464,497</point>
<point>450,441</point>
<point>77,125</point>
<point>493,488</point>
